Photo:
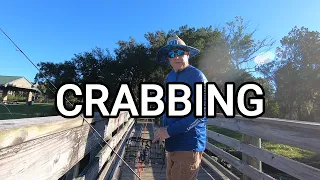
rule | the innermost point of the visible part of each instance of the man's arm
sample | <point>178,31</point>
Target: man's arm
<point>189,122</point>
<point>184,125</point>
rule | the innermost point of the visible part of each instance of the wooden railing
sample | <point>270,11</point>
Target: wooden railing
<point>300,134</point>
<point>59,148</point>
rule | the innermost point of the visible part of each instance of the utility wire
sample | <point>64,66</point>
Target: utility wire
<point>70,103</point>
<point>8,110</point>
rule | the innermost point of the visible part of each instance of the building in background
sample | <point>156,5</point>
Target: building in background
<point>10,85</point>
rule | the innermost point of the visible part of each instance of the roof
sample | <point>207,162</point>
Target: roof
<point>7,79</point>
<point>13,82</point>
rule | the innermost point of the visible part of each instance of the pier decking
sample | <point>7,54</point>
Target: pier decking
<point>152,170</point>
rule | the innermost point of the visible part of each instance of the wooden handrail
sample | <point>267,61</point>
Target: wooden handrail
<point>301,134</point>
<point>49,147</point>
<point>305,135</point>
<point>103,156</point>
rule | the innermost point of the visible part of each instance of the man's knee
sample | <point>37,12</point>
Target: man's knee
<point>186,165</point>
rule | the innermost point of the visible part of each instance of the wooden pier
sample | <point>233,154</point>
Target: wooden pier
<point>57,148</point>
<point>149,170</point>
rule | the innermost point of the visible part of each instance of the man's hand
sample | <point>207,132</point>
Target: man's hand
<point>160,135</point>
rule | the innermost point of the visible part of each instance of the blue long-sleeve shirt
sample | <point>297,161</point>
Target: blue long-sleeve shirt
<point>187,133</point>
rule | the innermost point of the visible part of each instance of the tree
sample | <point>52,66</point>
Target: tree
<point>89,65</point>
<point>54,74</point>
<point>296,74</point>
<point>243,47</point>
<point>135,66</point>
<point>223,54</point>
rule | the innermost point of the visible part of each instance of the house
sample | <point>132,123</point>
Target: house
<point>10,84</point>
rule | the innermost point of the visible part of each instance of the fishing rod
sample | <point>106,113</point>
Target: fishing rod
<point>70,103</point>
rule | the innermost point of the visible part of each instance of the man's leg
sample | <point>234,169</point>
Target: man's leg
<point>186,165</point>
<point>169,165</point>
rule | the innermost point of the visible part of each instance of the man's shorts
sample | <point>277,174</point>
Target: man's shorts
<point>183,165</point>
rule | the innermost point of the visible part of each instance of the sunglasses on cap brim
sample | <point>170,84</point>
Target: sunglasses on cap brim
<point>178,52</point>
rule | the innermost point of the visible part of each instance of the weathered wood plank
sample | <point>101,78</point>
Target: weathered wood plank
<point>278,121</point>
<point>115,174</point>
<point>147,176</point>
<point>252,161</point>
<point>144,175</point>
<point>48,157</point>
<point>97,163</point>
<point>114,123</point>
<point>224,139</point>
<point>210,172</point>
<point>289,166</point>
<point>202,175</point>
<point>235,162</point>
<point>16,131</point>
<point>224,170</point>
<point>236,144</point>
<point>216,171</point>
<point>305,135</point>
<point>105,172</point>
<point>106,151</point>
<point>51,156</point>
<point>13,132</point>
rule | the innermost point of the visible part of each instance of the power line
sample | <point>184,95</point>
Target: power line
<point>69,102</point>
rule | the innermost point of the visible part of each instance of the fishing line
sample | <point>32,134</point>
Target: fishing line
<point>8,110</point>
<point>70,104</point>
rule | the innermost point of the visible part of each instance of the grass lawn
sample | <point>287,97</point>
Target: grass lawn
<point>23,110</point>
<point>280,149</point>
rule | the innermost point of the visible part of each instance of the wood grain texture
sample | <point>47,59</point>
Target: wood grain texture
<point>101,158</point>
<point>216,170</point>
<point>13,132</point>
<point>224,139</point>
<point>289,166</point>
<point>305,135</point>
<point>47,157</point>
<point>114,123</point>
<point>252,161</point>
<point>235,162</point>
<point>222,169</point>
<point>115,173</point>
<point>106,171</point>
<point>16,131</point>
<point>50,156</point>
<point>155,173</point>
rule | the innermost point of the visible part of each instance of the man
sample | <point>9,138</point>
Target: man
<point>185,138</point>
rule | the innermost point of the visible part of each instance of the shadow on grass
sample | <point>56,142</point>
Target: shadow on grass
<point>27,111</point>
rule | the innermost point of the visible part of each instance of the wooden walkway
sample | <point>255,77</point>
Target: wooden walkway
<point>153,171</point>
<point>58,148</point>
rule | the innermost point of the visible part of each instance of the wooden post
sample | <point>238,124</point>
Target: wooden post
<point>5,95</point>
<point>248,159</point>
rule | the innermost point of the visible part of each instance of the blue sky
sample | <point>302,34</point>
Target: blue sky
<point>56,30</point>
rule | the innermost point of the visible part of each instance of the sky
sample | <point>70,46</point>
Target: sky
<point>53,31</point>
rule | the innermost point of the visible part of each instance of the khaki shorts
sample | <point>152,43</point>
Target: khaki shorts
<point>183,165</point>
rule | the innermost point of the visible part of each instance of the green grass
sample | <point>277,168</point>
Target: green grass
<point>27,111</point>
<point>287,151</point>
<point>279,149</point>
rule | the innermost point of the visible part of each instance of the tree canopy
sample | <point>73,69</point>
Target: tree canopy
<point>291,82</point>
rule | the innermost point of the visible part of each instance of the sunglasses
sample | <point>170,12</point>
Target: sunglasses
<point>178,52</point>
